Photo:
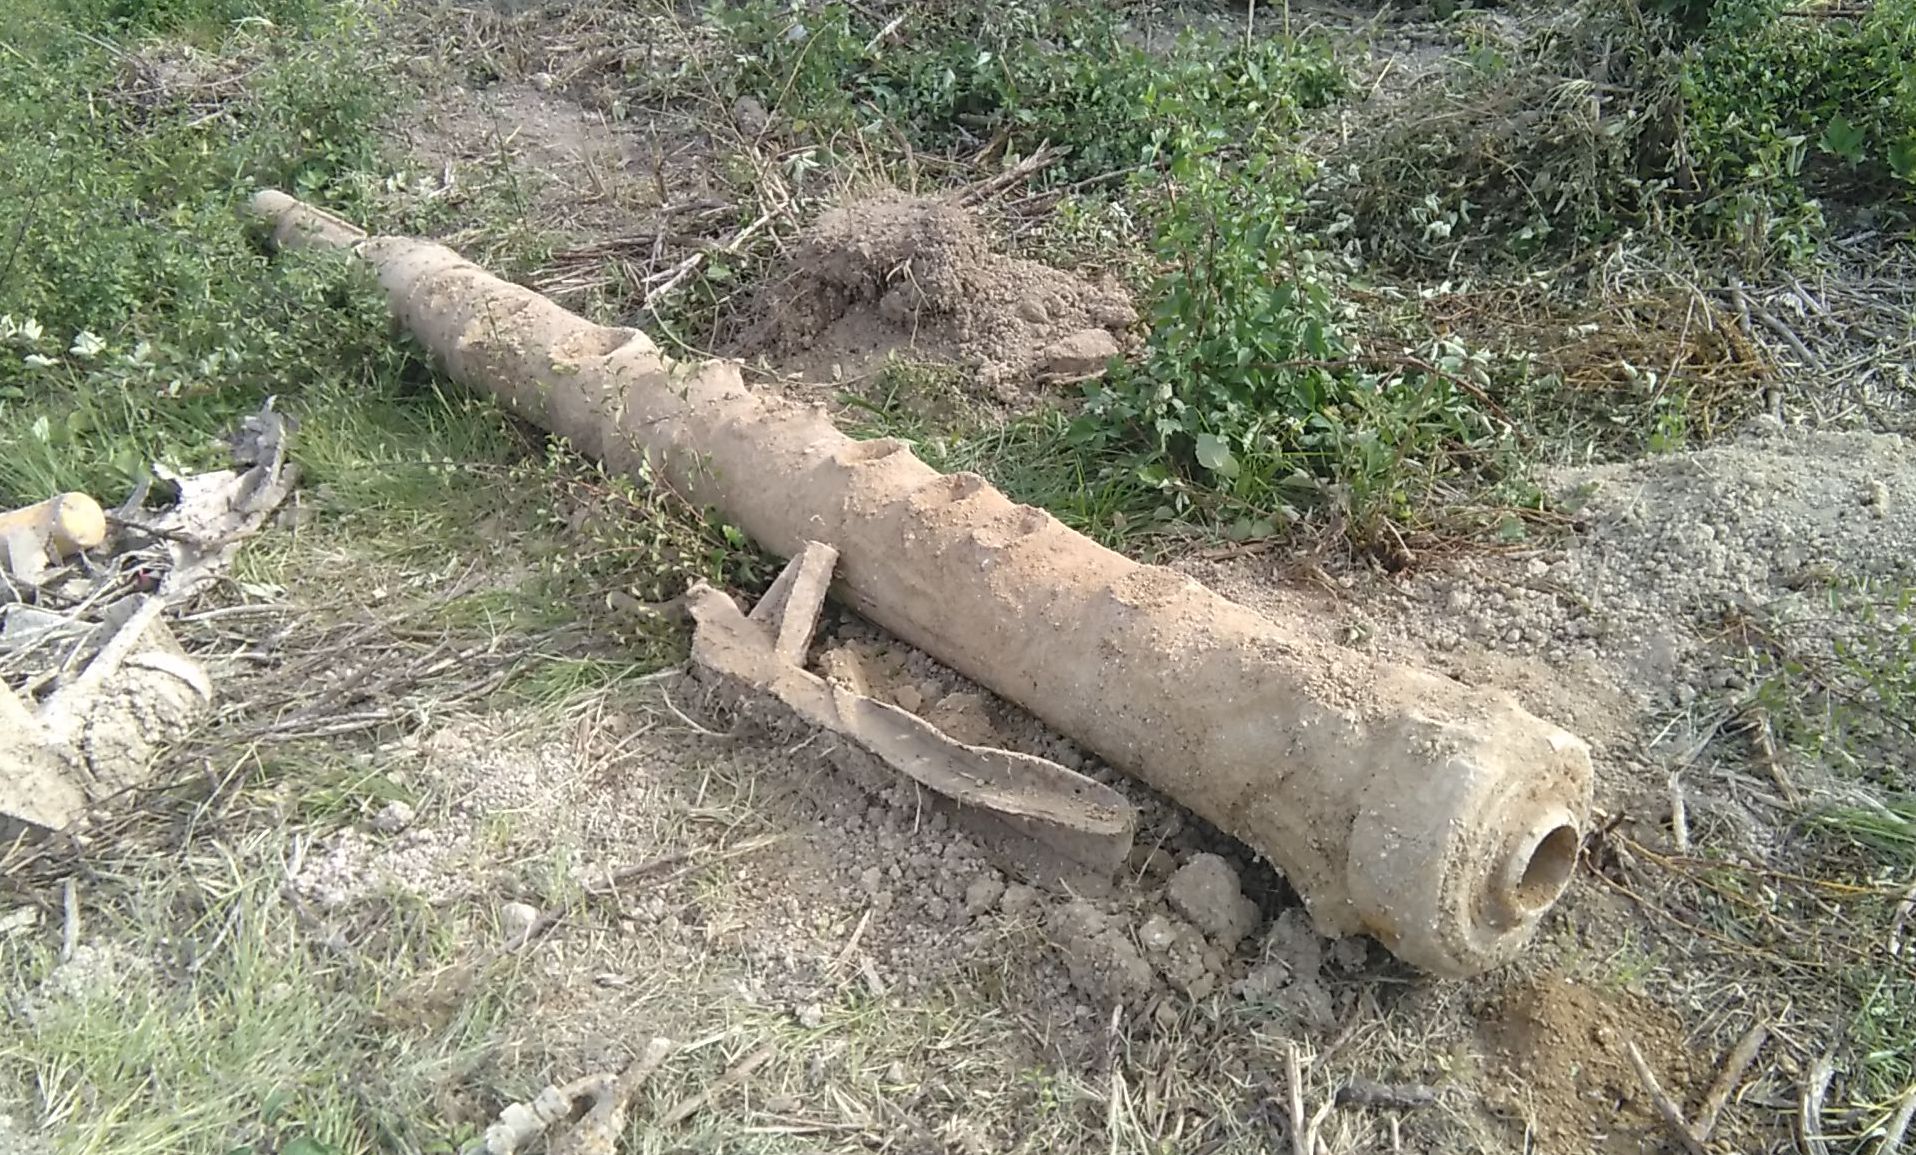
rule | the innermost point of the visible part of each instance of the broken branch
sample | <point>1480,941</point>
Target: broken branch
<point>1720,1091</point>
<point>1666,1107</point>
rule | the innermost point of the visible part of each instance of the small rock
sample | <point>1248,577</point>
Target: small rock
<point>983,894</point>
<point>1206,891</point>
<point>1019,900</point>
<point>750,117</point>
<point>393,817</point>
<point>543,81</point>
<point>896,1075</point>
<point>908,699</point>
<point>517,919</point>
<point>1157,933</point>
<point>811,1016</point>
<point>1081,354</point>
<point>781,1105</point>
<point>1031,309</point>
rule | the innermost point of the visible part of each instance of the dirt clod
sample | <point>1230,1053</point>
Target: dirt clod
<point>1019,900</point>
<point>1103,962</point>
<point>899,273</point>
<point>1083,353</point>
<point>1206,891</point>
<point>983,894</point>
<point>1563,1048</point>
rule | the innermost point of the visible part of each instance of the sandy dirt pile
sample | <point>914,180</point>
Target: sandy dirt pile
<point>915,275</point>
<point>1763,525</point>
<point>1566,1046</point>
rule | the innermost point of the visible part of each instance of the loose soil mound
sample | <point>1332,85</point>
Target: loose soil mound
<point>904,274</point>
<point>1566,1047</point>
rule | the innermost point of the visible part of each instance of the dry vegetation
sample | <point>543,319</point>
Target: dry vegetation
<point>1486,340</point>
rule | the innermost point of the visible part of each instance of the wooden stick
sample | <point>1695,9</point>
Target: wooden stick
<point>1294,1074</point>
<point>1671,1113</point>
<point>1394,1096</point>
<point>1679,814</point>
<point>1898,1123</point>
<point>1809,1117</point>
<point>729,1079</point>
<point>1901,918</point>
<point>598,1132</point>
<point>70,929</point>
<point>1739,1061</point>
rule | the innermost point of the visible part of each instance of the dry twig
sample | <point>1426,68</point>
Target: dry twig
<point>1898,1125</point>
<point>743,1068</point>
<point>1727,1079</point>
<point>1809,1113</point>
<point>1294,1075</point>
<point>1666,1107</point>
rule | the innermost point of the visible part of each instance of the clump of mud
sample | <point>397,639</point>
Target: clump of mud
<point>1567,1046</point>
<point>896,273</point>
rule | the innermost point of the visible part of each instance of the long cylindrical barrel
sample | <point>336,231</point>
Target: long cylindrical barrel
<point>1441,819</point>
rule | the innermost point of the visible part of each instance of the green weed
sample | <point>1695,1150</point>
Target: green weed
<point>971,78</point>
<point>1248,381</point>
<point>1785,113</point>
<point>137,317</point>
<point>1732,122</point>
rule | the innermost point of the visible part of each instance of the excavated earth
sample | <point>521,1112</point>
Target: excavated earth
<point>913,277</point>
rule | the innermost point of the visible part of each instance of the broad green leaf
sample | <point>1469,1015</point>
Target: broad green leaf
<point>1902,159</point>
<point>1215,456</point>
<point>1843,138</point>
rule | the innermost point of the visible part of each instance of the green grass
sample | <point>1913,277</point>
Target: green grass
<point>1016,75</point>
<point>216,1024</point>
<point>1831,700</point>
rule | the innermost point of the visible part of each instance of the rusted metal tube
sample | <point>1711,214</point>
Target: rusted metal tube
<point>1441,819</point>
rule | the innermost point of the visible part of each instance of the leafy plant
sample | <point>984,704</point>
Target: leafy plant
<point>1705,120</point>
<point>1248,380</point>
<point>1784,113</point>
<point>139,314</point>
<point>969,78</point>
